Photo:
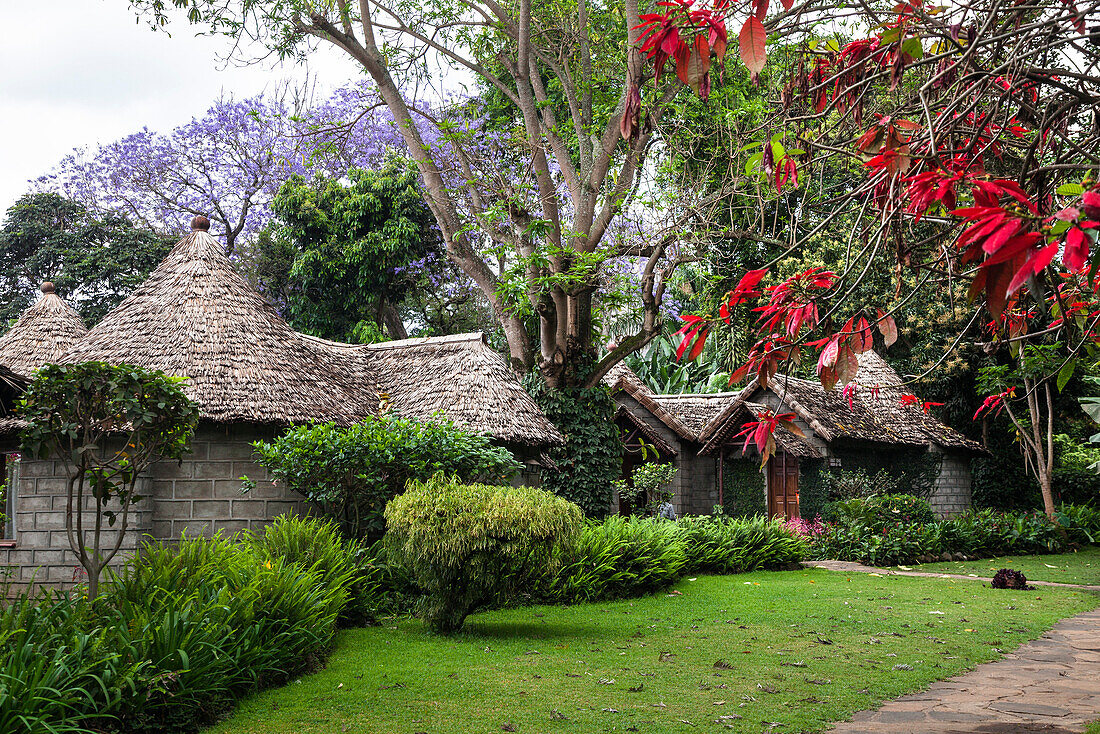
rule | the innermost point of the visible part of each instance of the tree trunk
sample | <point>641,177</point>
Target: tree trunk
<point>1045,482</point>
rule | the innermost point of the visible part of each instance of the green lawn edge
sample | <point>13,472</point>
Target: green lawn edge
<point>1080,567</point>
<point>799,649</point>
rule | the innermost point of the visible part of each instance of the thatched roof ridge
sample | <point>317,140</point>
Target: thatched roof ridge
<point>622,378</point>
<point>459,376</point>
<point>196,317</point>
<point>655,438</point>
<point>695,410</point>
<point>41,334</point>
<point>874,414</point>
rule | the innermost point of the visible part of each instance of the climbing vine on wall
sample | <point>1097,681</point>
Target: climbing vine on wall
<point>593,453</point>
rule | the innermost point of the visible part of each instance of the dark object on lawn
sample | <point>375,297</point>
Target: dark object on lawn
<point>1007,578</point>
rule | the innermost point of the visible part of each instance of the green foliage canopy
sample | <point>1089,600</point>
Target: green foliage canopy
<point>94,259</point>
<point>107,424</point>
<point>356,249</point>
<point>351,473</point>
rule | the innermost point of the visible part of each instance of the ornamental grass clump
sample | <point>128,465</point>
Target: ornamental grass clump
<point>723,545</point>
<point>465,544</point>
<point>616,558</point>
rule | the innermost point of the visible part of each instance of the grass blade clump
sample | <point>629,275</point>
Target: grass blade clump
<point>724,545</point>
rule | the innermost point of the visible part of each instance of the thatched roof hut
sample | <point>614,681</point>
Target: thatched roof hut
<point>41,334</point>
<point>459,377</point>
<point>196,317</point>
<point>875,412</point>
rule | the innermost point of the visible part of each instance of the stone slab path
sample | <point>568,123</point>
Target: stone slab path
<point>850,567</point>
<point>1049,685</point>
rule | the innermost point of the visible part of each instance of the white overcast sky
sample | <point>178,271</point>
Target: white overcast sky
<point>74,73</point>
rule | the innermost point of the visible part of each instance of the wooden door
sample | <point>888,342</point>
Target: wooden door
<point>783,486</point>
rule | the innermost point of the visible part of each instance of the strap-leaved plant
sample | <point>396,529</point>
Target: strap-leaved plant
<point>106,425</point>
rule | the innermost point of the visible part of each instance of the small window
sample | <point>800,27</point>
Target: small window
<point>9,473</point>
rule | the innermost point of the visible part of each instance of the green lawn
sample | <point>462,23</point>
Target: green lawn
<point>801,648</point>
<point>1082,567</point>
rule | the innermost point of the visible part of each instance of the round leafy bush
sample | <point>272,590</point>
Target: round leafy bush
<point>463,544</point>
<point>880,511</point>
<point>351,473</point>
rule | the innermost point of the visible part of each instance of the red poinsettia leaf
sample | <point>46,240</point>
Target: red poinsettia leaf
<point>697,348</point>
<point>1077,249</point>
<point>753,39</point>
<point>1034,264</point>
<point>792,427</point>
<point>760,8</point>
<point>887,327</point>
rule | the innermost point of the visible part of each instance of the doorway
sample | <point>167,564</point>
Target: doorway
<point>783,486</point>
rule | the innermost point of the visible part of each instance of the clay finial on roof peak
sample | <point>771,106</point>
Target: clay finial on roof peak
<point>200,224</point>
<point>47,287</point>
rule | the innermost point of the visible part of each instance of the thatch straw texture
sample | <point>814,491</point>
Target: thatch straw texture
<point>41,334</point>
<point>695,411</point>
<point>622,378</point>
<point>875,413</point>
<point>459,377</point>
<point>195,317</point>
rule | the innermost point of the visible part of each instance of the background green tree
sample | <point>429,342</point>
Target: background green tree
<point>94,258</point>
<point>355,248</point>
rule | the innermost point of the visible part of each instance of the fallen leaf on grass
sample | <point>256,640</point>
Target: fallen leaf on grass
<point>556,715</point>
<point>636,689</point>
<point>666,657</point>
<point>507,727</point>
<point>722,665</point>
<point>611,711</point>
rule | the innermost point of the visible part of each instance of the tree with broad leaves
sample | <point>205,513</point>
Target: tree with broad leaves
<point>108,424</point>
<point>359,246</point>
<point>958,142</point>
<point>572,79</point>
<point>94,258</point>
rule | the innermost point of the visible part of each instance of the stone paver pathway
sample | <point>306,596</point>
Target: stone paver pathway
<point>1049,685</point>
<point>851,567</point>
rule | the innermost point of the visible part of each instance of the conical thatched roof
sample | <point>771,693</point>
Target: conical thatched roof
<point>196,317</point>
<point>42,334</point>
<point>459,377</point>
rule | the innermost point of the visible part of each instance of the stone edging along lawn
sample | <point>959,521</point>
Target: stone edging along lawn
<point>783,651</point>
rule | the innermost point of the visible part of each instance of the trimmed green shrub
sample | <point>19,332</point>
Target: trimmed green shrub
<point>351,473</point>
<point>980,534</point>
<point>463,543</point>
<point>1081,522</point>
<point>723,545</point>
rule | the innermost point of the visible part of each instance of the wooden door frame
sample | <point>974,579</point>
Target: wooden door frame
<point>785,464</point>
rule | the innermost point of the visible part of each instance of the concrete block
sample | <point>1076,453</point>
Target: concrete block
<point>247,510</point>
<point>228,527</point>
<point>193,489</point>
<point>171,509</point>
<point>230,450</point>
<point>214,470</point>
<point>50,485</point>
<point>210,509</point>
<point>276,508</point>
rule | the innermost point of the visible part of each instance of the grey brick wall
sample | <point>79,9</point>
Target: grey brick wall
<point>951,494</point>
<point>199,496</point>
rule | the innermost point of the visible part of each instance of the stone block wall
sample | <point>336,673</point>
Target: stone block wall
<point>39,552</point>
<point>204,494</point>
<point>951,494</point>
<point>200,496</point>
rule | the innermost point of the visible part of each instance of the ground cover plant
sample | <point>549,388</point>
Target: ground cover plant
<point>866,534</point>
<point>801,648</point>
<point>1080,567</point>
<point>181,634</point>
